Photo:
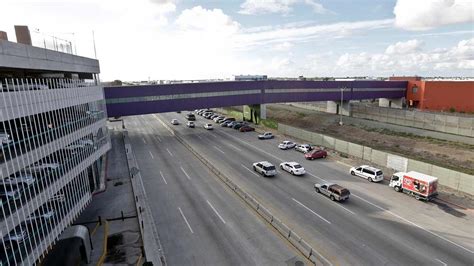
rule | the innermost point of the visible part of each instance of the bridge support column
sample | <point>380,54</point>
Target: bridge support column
<point>263,111</point>
<point>334,107</point>
<point>254,113</point>
<point>392,103</point>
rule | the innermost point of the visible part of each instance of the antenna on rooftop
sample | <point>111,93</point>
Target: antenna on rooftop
<point>93,40</point>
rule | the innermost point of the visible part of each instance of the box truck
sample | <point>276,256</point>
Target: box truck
<point>416,184</point>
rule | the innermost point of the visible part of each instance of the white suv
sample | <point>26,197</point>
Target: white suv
<point>285,145</point>
<point>293,168</point>
<point>368,172</point>
<point>264,168</point>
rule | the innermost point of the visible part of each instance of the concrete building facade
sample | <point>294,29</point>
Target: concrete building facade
<point>53,139</point>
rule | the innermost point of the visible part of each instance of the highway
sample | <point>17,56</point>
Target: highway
<point>376,226</point>
<point>199,220</point>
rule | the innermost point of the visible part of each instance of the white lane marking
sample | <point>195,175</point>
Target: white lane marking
<point>340,205</point>
<point>164,180</point>
<point>158,138</point>
<point>186,220</point>
<point>322,179</point>
<point>304,206</point>
<point>144,141</point>
<point>151,154</point>
<point>186,174</point>
<point>442,263</point>
<point>233,146</point>
<point>249,170</point>
<point>165,125</point>
<point>414,224</point>
<point>169,152</point>
<point>219,149</point>
<point>220,217</point>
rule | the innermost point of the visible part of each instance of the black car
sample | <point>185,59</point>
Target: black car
<point>191,117</point>
<point>239,125</point>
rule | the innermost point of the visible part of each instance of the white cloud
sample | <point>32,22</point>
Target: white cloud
<point>407,47</point>
<point>428,14</point>
<point>414,61</point>
<point>284,46</point>
<point>201,19</point>
<point>317,7</point>
<point>254,7</point>
<point>298,34</point>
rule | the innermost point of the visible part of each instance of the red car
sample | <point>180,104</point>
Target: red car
<point>315,154</point>
<point>246,129</point>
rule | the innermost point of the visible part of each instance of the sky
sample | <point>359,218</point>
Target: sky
<point>201,39</point>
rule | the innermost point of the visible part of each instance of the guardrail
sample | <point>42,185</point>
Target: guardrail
<point>151,242</point>
<point>298,242</point>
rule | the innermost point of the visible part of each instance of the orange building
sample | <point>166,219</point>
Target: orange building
<point>439,95</point>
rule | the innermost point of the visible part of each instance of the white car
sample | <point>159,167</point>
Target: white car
<point>304,148</point>
<point>190,124</point>
<point>17,179</point>
<point>266,135</point>
<point>208,126</point>
<point>293,168</point>
<point>40,166</point>
<point>264,168</point>
<point>174,122</point>
<point>368,172</point>
<point>5,138</point>
<point>218,118</point>
<point>45,214</point>
<point>286,145</point>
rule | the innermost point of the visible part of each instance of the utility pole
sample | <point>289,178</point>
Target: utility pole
<point>340,109</point>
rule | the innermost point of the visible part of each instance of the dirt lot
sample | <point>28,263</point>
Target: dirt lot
<point>452,155</point>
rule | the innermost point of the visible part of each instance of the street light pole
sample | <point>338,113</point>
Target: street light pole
<point>340,109</point>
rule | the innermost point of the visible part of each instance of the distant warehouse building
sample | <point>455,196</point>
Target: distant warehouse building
<point>439,95</point>
<point>250,77</point>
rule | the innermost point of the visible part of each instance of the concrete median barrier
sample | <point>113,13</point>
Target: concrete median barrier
<point>265,213</point>
<point>281,227</point>
<point>151,242</point>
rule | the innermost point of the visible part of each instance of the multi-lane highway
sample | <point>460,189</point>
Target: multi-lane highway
<point>198,220</point>
<point>376,226</point>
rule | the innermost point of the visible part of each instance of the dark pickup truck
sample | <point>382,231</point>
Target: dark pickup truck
<point>333,191</point>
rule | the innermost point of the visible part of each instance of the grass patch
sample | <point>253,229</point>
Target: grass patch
<point>270,123</point>
<point>417,137</point>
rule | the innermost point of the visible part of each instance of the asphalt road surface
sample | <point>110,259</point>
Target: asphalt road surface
<point>199,220</point>
<point>376,226</point>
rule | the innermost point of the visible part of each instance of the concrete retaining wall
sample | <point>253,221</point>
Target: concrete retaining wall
<point>454,124</point>
<point>452,179</point>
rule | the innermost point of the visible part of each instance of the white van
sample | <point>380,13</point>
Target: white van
<point>368,172</point>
